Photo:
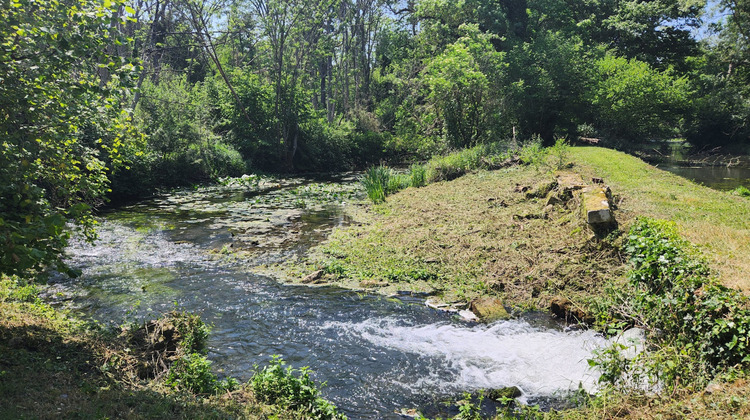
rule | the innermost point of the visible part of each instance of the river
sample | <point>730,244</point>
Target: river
<point>376,354</point>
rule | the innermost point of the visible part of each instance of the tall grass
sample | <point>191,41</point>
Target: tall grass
<point>375,180</point>
<point>418,175</point>
<point>381,181</point>
<point>458,163</point>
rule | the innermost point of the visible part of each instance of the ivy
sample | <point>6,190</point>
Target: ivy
<point>697,328</point>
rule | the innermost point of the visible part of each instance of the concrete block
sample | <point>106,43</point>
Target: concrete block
<point>596,207</point>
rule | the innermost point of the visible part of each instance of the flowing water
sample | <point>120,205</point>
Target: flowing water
<point>377,354</point>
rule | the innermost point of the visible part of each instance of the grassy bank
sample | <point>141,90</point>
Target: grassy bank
<point>716,221</point>
<point>54,366</point>
<point>488,232</point>
<point>494,232</point>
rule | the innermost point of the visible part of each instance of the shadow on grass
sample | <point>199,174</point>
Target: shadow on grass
<point>48,373</point>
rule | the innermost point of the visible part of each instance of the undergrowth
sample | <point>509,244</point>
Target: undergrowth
<point>153,369</point>
<point>741,191</point>
<point>280,385</point>
<point>697,329</point>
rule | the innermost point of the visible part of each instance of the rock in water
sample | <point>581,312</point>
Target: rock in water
<point>489,309</point>
<point>313,277</point>
<point>502,393</point>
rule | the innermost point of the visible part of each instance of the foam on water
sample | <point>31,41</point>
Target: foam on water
<point>541,362</point>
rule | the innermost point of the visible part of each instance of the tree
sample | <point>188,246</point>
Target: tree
<point>60,123</point>
<point>460,90</point>
<point>635,100</point>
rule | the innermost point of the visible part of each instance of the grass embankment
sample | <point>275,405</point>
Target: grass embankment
<point>53,366</point>
<point>493,232</point>
<point>717,222</point>
<point>485,233</point>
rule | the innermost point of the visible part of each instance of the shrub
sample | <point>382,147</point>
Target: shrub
<point>698,327</point>
<point>278,384</point>
<point>741,191</point>
<point>559,154</point>
<point>532,153</point>
<point>193,372</point>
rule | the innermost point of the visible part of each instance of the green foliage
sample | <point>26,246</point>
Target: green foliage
<point>532,153</point>
<point>192,372</point>
<point>282,385</point>
<point>15,289</point>
<point>559,153</point>
<point>468,410</point>
<point>375,181</point>
<point>193,331</point>
<point>381,181</point>
<point>741,191</point>
<point>459,89</point>
<point>456,164</point>
<point>182,147</point>
<point>634,100</point>
<point>417,176</point>
<point>702,326</point>
<point>60,122</point>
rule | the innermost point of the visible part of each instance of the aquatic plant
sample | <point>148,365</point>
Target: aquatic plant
<point>417,175</point>
<point>376,181</point>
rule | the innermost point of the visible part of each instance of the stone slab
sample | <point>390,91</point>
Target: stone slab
<point>596,207</point>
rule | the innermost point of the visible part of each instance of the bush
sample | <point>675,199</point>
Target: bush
<point>193,372</point>
<point>698,327</point>
<point>741,191</point>
<point>532,153</point>
<point>634,100</point>
<point>278,384</point>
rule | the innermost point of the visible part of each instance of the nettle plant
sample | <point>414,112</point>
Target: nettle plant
<point>697,328</point>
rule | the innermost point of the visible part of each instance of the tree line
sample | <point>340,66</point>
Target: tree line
<point>114,98</point>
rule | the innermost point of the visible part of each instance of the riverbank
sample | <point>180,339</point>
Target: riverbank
<point>509,233</point>
<point>56,366</point>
